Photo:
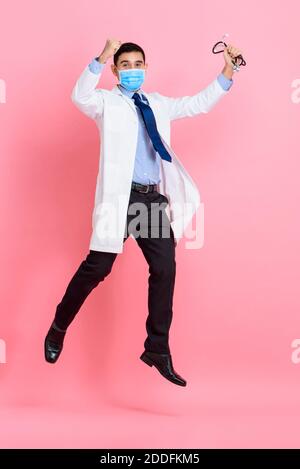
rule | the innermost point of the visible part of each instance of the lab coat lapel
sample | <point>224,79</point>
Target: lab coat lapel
<point>129,101</point>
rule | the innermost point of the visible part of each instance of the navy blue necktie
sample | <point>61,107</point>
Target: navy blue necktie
<point>150,124</point>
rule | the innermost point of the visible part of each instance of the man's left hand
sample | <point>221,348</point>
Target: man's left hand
<point>230,52</point>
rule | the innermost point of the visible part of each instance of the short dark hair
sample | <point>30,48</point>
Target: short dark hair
<point>128,47</point>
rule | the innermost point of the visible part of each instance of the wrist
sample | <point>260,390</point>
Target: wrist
<point>228,71</point>
<point>102,58</point>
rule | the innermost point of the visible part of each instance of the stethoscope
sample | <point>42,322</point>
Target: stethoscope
<point>236,61</point>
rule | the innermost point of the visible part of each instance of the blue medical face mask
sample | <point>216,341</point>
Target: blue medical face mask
<point>132,78</point>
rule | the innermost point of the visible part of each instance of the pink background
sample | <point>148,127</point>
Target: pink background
<point>236,304</point>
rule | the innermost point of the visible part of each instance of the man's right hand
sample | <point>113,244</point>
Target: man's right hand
<point>110,48</point>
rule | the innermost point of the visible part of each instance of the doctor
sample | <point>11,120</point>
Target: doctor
<point>142,190</point>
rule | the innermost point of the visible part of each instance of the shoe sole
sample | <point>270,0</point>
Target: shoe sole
<point>149,362</point>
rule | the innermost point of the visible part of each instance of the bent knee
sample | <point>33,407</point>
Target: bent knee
<point>100,263</point>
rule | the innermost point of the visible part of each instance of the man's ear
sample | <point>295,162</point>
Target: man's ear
<point>114,70</point>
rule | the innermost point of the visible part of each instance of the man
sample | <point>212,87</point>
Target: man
<point>138,172</point>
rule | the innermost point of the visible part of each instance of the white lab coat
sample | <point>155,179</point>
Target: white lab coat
<point>116,117</point>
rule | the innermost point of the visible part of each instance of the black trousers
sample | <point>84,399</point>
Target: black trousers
<point>158,247</point>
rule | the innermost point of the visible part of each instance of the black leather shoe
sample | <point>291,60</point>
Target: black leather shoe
<point>53,344</point>
<point>163,362</point>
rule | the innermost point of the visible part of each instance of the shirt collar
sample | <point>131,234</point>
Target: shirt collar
<point>128,92</point>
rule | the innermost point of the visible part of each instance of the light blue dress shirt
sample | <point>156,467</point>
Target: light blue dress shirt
<point>147,164</point>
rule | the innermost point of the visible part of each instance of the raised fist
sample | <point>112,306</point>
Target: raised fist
<point>110,48</point>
